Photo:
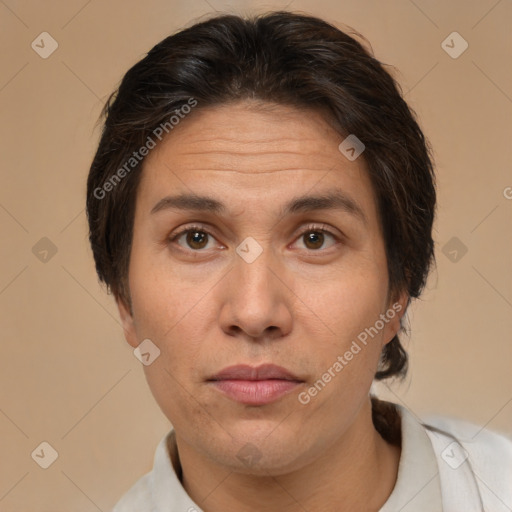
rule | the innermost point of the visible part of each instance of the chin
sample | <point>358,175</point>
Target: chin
<point>274,464</point>
<point>263,453</point>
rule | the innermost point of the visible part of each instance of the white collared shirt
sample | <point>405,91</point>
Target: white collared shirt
<point>441,469</point>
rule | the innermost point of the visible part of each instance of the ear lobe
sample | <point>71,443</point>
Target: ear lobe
<point>127,323</point>
<point>394,313</point>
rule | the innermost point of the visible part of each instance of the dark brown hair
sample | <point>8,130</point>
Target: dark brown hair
<point>282,58</point>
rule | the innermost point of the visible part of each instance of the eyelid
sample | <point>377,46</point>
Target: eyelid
<point>186,228</point>
<point>319,226</point>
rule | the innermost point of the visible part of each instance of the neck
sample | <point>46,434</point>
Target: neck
<point>357,473</point>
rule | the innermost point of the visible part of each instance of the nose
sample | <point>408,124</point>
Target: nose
<point>255,301</point>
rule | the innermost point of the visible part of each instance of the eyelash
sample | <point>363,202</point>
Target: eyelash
<point>312,228</point>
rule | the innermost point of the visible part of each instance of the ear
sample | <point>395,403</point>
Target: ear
<point>127,323</point>
<point>393,315</point>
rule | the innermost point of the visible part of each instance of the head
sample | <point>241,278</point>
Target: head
<point>253,114</point>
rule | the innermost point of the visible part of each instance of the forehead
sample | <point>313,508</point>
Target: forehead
<point>237,132</point>
<point>248,153</point>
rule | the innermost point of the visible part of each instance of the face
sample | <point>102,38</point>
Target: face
<point>283,265</point>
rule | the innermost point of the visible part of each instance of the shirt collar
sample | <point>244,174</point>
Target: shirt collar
<point>417,488</point>
<point>167,492</point>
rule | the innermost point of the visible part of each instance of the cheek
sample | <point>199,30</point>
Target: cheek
<point>347,360</point>
<point>175,315</point>
<point>347,300</point>
<point>176,324</point>
<point>176,398</point>
<point>161,297</point>
<point>346,355</point>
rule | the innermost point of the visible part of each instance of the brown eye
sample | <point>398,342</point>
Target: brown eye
<point>197,239</point>
<point>193,239</point>
<point>313,239</point>
<point>316,239</point>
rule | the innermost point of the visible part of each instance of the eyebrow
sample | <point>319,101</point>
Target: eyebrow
<point>335,200</point>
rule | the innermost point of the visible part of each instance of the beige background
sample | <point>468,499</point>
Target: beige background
<point>67,376</point>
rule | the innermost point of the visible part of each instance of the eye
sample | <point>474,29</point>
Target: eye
<point>195,237</point>
<point>314,237</point>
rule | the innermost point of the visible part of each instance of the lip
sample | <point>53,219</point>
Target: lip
<point>247,372</point>
<point>252,385</point>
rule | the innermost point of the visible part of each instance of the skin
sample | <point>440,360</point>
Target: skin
<point>299,305</point>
